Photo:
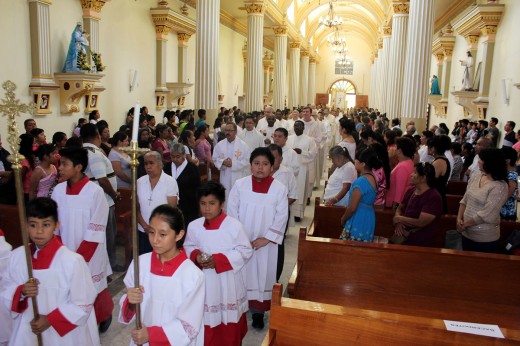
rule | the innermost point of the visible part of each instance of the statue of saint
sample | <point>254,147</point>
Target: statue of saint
<point>435,86</point>
<point>78,45</point>
<point>467,82</point>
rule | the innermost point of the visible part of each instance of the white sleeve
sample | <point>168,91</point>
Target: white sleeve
<point>242,251</point>
<point>292,187</point>
<point>276,231</point>
<point>233,202</point>
<point>173,188</point>
<point>96,229</point>
<point>218,158</point>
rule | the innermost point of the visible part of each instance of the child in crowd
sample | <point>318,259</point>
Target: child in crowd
<point>260,203</point>
<point>62,286</point>
<point>171,291</point>
<point>83,212</point>
<point>81,122</point>
<point>218,244</point>
<point>44,175</point>
<point>5,319</point>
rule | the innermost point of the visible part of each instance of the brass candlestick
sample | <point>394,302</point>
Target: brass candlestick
<point>134,151</point>
<point>11,108</point>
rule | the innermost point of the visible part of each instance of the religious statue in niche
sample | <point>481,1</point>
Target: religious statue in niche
<point>466,79</point>
<point>77,54</point>
<point>435,86</point>
<point>44,102</point>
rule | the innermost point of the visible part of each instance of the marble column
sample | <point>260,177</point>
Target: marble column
<point>182,42</point>
<point>255,40</point>
<point>397,57</point>
<point>280,66</point>
<point>387,38</point>
<point>418,61</point>
<point>446,74</point>
<point>294,74</point>
<point>91,19</point>
<point>207,51</point>
<point>311,97</point>
<point>488,47</point>
<point>375,81</point>
<point>304,78</point>
<point>161,40</point>
<point>380,70</point>
<point>39,16</point>
<point>266,63</point>
<point>244,57</point>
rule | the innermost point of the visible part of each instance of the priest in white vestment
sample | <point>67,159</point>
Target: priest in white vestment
<point>250,135</point>
<point>5,318</point>
<point>231,157</point>
<point>313,130</point>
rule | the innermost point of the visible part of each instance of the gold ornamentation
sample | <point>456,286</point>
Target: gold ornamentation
<point>312,60</point>
<point>162,30</point>
<point>401,8</point>
<point>162,3</point>
<point>387,31</point>
<point>380,45</point>
<point>489,30</point>
<point>183,37</point>
<point>280,30</point>
<point>295,45</point>
<point>440,57</point>
<point>305,53</point>
<point>448,52</point>
<point>472,39</point>
<point>184,10</point>
<point>95,5</point>
<point>255,8</point>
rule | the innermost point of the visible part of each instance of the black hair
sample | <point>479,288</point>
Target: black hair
<point>78,156</point>
<point>440,144</point>
<point>282,130</point>
<point>200,130</point>
<point>92,115</point>
<point>368,156</point>
<point>88,132</point>
<point>406,145</point>
<point>26,121</point>
<point>101,126</point>
<point>201,112</point>
<point>184,136</point>
<point>347,125</point>
<point>494,163</point>
<point>275,147</point>
<point>390,136</point>
<point>483,122</point>
<point>44,149</point>
<point>495,120</point>
<point>42,208</point>
<point>36,131</point>
<point>173,217</point>
<point>512,124</point>
<point>74,142</point>
<point>425,169</point>
<point>212,188</point>
<point>428,134</point>
<point>369,133</point>
<point>456,147</point>
<point>149,117</point>
<point>511,155</point>
<point>338,150</point>
<point>160,129</point>
<point>58,137</point>
<point>119,136</point>
<point>382,155</point>
<point>26,147</point>
<point>262,151</point>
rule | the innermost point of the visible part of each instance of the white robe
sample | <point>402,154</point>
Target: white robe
<point>307,168</point>
<point>5,319</point>
<point>313,129</point>
<point>262,124</point>
<point>65,285</point>
<point>253,139</point>
<point>291,159</point>
<point>238,151</point>
<point>263,215</point>
<point>175,302</point>
<point>285,176</point>
<point>226,298</point>
<point>84,217</point>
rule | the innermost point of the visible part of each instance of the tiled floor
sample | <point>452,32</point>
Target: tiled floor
<point>119,334</point>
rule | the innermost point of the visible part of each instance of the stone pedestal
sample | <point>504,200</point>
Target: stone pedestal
<point>76,87</point>
<point>464,99</point>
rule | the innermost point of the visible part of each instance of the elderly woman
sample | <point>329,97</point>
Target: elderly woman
<point>188,181</point>
<point>341,179</point>
<point>416,218</point>
<point>153,189</point>
<point>479,213</point>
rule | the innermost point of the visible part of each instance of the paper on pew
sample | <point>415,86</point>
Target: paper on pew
<point>474,328</point>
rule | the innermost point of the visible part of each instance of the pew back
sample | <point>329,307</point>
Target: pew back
<point>10,224</point>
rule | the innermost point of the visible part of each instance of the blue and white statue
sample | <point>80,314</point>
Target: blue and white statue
<point>435,90</point>
<point>78,45</point>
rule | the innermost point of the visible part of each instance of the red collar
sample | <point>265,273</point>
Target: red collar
<point>76,188</point>
<point>215,223</point>
<point>167,268</point>
<point>262,186</point>
<point>1,233</point>
<point>45,255</point>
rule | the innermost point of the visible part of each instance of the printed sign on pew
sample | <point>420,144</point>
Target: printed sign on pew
<point>474,328</point>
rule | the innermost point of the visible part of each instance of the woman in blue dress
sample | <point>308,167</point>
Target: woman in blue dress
<point>359,219</point>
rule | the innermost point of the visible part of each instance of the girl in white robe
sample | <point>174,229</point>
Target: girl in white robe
<point>219,245</point>
<point>171,290</point>
<point>260,203</point>
<point>5,319</point>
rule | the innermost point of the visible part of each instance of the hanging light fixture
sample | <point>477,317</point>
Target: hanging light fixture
<point>331,20</point>
<point>335,40</point>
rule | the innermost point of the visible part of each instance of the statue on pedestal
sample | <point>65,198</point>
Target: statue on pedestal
<point>435,86</point>
<point>466,80</point>
<point>77,54</point>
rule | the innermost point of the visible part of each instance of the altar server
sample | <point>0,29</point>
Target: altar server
<point>171,290</point>
<point>83,215</point>
<point>5,319</point>
<point>62,286</point>
<point>218,244</point>
<point>260,202</point>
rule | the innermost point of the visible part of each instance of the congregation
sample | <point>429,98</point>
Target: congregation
<point>214,204</point>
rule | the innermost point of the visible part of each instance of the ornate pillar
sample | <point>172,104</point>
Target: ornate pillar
<point>294,73</point>
<point>488,47</point>
<point>207,48</point>
<point>417,66</point>
<point>91,19</point>
<point>271,77</point>
<point>375,81</point>
<point>244,56</point>
<point>380,71</point>
<point>267,64</point>
<point>182,41</point>
<point>161,39</point>
<point>387,38</point>
<point>311,97</point>
<point>280,66</point>
<point>304,78</point>
<point>255,39</point>
<point>397,57</point>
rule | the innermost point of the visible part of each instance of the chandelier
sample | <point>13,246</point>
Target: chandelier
<point>335,40</point>
<point>331,20</point>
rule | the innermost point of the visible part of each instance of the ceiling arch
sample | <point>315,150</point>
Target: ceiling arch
<point>353,21</point>
<point>355,31</point>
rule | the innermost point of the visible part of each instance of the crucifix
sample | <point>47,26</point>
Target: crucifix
<point>11,108</point>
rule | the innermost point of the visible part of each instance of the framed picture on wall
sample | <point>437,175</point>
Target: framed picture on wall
<point>43,102</point>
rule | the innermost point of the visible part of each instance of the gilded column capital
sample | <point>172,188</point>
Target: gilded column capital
<point>440,58</point>
<point>280,30</point>
<point>448,52</point>
<point>489,30</point>
<point>92,8</point>
<point>312,60</point>
<point>472,39</point>
<point>183,38</point>
<point>401,7</point>
<point>305,54</point>
<point>295,45</point>
<point>162,31</point>
<point>46,2</point>
<point>255,8</point>
<point>379,44</point>
<point>387,31</point>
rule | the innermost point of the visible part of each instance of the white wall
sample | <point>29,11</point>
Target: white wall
<point>231,66</point>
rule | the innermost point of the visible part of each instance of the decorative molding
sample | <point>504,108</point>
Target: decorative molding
<point>166,19</point>
<point>464,99</point>
<point>452,12</point>
<point>443,45</point>
<point>387,31</point>
<point>255,8</point>
<point>440,58</point>
<point>295,45</point>
<point>489,30</point>
<point>472,39</point>
<point>181,36</point>
<point>305,53</point>
<point>93,5</point>
<point>401,7</point>
<point>479,17</point>
<point>280,30</point>
<point>312,60</point>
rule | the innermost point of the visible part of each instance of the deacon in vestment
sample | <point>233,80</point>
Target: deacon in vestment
<point>307,151</point>
<point>231,157</point>
<point>5,319</point>
<point>218,244</point>
<point>251,136</point>
<point>63,286</point>
<point>83,214</point>
<point>172,287</point>
<point>313,130</point>
<point>260,202</point>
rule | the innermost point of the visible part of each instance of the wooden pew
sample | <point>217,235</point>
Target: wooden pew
<point>381,283</point>
<point>299,322</point>
<point>456,188</point>
<point>10,224</point>
<point>453,202</point>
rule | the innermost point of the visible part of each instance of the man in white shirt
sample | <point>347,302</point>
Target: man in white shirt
<point>250,134</point>
<point>295,115</point>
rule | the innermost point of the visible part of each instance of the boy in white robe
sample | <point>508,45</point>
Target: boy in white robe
<point>260,202</point>
<point>171,290</point>
<point>5,319</point>
<point>62,286</point>
<point>83,215</point>
<point>219,245</point>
